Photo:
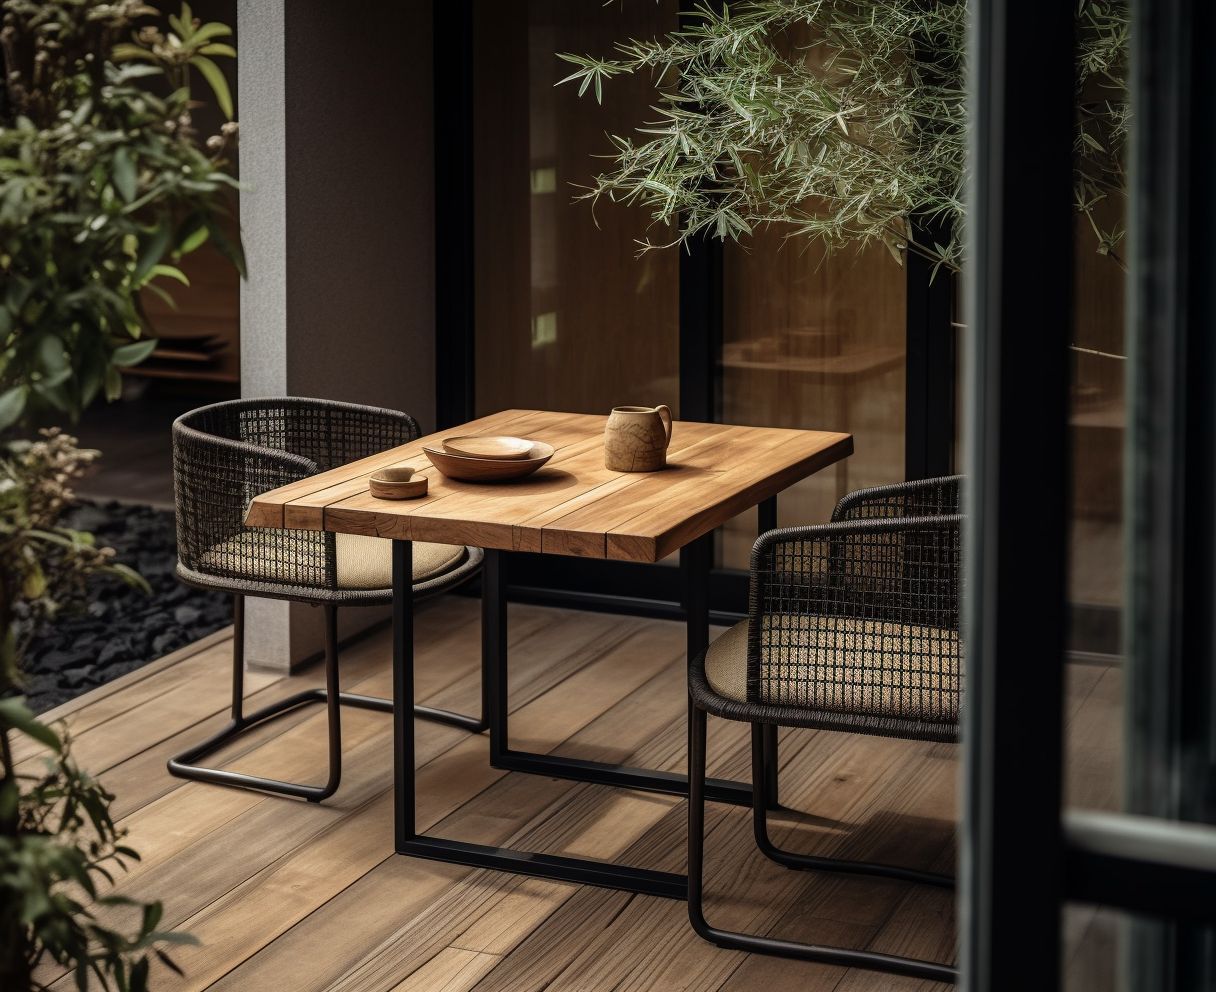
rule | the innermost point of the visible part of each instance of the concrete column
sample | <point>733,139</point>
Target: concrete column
<point>337,215</point>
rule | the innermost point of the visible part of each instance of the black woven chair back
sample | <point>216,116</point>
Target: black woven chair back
<point>922,498</point>
<point>862,615</point>
<point>326,433</point>
<point>227,453</point>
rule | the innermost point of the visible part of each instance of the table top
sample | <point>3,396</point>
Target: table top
<point>571,506</point>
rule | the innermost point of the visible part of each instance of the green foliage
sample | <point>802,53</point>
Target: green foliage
<point>104,185</point>
<point>45,563</point>
<point>58,844</point>
<point>58,841</point>
<point>841,120</point>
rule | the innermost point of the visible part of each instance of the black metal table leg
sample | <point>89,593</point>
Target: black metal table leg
<point>408,840</point>
<point>695,566</point>
<point>403,693</point>
<point>494,651</point>
<point>695,562</point>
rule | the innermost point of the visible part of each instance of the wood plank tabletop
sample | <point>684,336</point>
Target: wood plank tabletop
<point>573,505</point>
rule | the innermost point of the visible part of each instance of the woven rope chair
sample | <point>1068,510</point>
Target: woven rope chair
<point>226,454</point>
<point>853,626</point>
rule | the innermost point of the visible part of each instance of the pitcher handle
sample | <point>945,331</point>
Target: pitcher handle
<point>664,412</point>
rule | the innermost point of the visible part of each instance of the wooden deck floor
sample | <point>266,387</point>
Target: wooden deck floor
<point>285,895</point>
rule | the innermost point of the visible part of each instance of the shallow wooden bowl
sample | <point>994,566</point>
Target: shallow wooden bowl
<point>397,483</point>
<point>490,469</point>
<point>489,446</point>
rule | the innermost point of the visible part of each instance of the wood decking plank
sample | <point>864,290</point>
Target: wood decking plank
<point>88,711</point>
<point>292,886</point>
<point>287,895</point>
<point>623,725</point>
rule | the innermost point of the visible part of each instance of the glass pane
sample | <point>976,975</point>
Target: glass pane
<point>568,316</point>
<point>814,342</point>
<point>1091,943</point>
<point>1097,416</point>
<point>1093,733</point>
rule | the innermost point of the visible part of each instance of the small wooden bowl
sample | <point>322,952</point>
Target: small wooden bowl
<point>490,469</point>
<point>398,483</point>
<point>488,446</point>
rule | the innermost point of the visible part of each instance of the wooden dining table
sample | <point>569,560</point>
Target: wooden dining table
<point>572,506</point>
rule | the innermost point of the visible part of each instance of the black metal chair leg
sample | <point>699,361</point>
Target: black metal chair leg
<point>770,767</point>
<point>761,769</point>
<point>185,764</point>
<point>750,942</point>
<point>333,703</point>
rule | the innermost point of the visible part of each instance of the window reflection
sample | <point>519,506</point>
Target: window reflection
<point>814,341</point>
<point>567,316</point>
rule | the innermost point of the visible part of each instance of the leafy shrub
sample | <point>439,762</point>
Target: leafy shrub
<point>103,185</point>
<point>57,839</point>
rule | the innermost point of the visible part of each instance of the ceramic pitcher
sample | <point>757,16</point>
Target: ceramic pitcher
<point>636,438</point>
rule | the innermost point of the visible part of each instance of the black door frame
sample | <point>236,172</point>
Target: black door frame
<point>1024,854</point>
<point>654,590</point>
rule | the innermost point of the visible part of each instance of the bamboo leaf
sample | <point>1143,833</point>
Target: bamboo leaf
<point>196,232</point>
<point>126,52</point>
<point>153,251</point>
<point>212,29</point>
<point>113,384</point>
<point>15,714</point>
<point>171,272</point>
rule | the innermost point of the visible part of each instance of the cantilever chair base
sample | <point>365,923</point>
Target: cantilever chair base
<point>852,627</point>
<point>224,452</point>
<point>184,765</point>
<point>764,769</point>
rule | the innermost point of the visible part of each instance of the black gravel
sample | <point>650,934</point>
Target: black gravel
<point>119,628</point>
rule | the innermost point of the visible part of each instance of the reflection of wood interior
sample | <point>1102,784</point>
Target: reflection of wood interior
<point>1097,414</point>
<point>541,258</point>
<point>200,339</point>
<point>1098,418</point>
<point>815,341</point>
<point>866,361</point>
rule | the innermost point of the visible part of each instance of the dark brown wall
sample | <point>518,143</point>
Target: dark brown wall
<point>360,192</point>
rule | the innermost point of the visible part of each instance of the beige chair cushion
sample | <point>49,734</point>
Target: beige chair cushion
<point>843,665</point>
<point>362,562</point>
<point>367,562</point>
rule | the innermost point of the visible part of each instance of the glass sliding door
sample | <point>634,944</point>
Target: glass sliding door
<point>1089,832</point>
<point>814,341</point>
<point>567,316</point>
<point>561,310</point>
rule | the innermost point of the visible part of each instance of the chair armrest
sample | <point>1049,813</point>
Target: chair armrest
<point>859,618</point>
<point>214,480</point>
<point>200,458</point>
<point>921,497</point>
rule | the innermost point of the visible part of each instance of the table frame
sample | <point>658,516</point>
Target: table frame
<point>695,565</point>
